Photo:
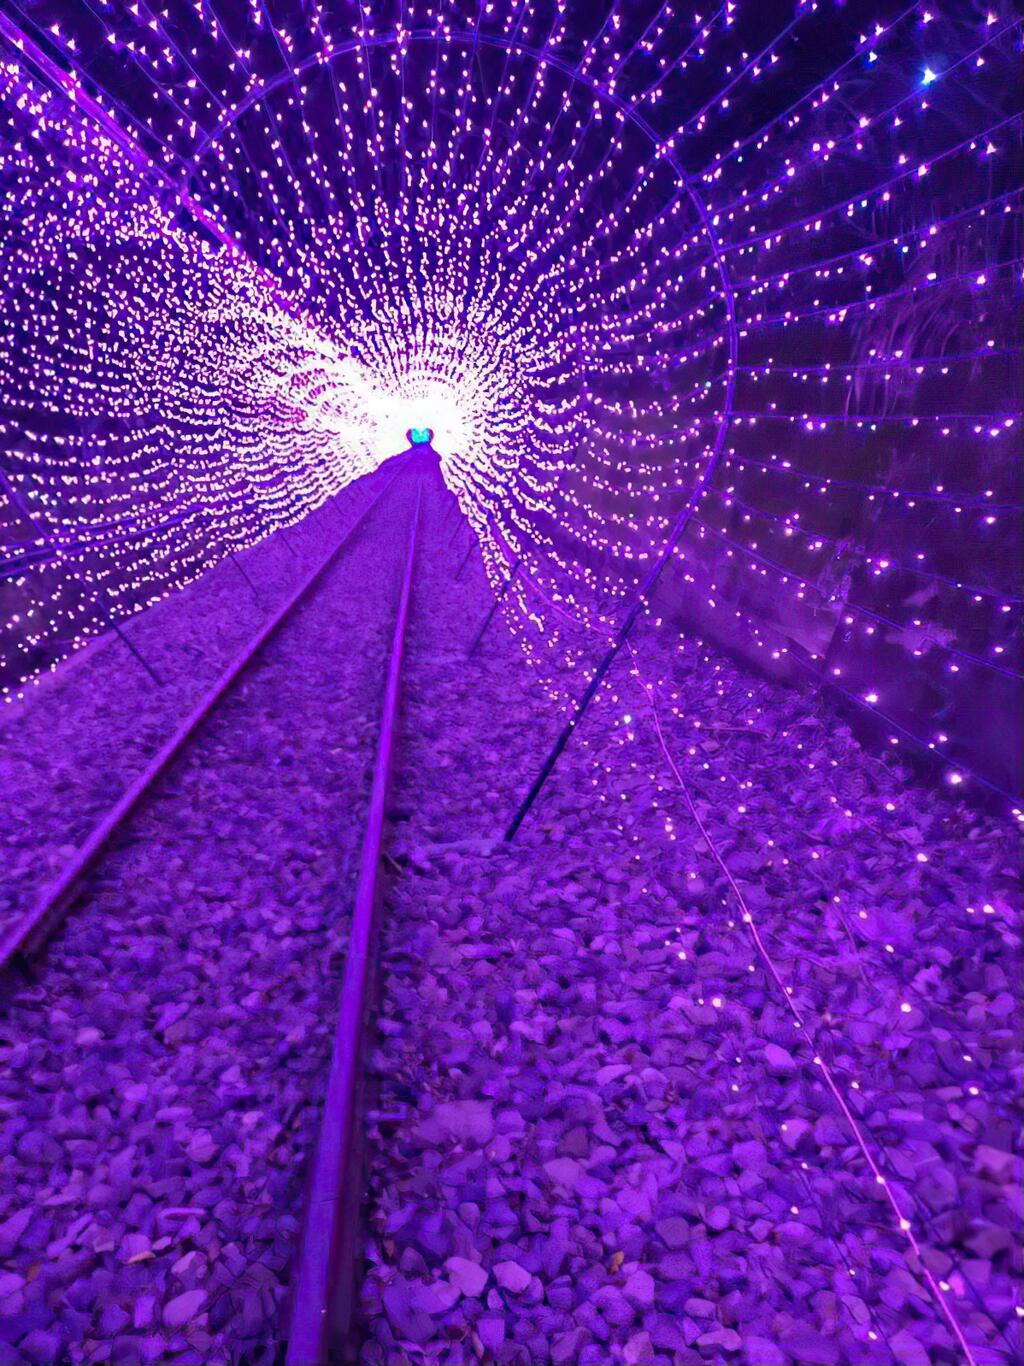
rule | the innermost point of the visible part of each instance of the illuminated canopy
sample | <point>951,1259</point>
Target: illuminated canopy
<point>739,283</point>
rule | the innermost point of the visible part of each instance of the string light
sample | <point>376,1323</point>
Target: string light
<point>612,259</point>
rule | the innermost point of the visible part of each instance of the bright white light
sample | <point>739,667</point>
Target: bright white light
<point>348,401</point>
<point>417,401</point>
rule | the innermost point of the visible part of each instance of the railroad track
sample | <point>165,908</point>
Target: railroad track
<point>323,1308</point>
<point>441,1097</point>
<point>321,1300</point>
<point>30,932</point>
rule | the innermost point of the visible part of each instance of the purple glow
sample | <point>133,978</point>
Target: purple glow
<point>715,283</point>
<point>712,322</point>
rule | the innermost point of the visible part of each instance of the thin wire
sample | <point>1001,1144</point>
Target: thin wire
<point>826,1072</point>
<point>731,499</point>
<point>855,607</point>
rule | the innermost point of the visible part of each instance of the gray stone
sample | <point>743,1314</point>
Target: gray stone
<point>468,1277</point>
<point>512,1277</point>
<point>639,1289</point>
<point>759,1351</point>
<point>567,1347</point>
<point>491,1332</point>
<point>183,1308</point>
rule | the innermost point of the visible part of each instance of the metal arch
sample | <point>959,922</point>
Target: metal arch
<point>724,416</point>
<point>628,112</point>
<point>474,37</point>
<point>26,48</point>
<point>68,87</point>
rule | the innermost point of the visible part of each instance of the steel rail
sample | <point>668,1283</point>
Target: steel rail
<point>57,897</point>
<point>324,1282</point>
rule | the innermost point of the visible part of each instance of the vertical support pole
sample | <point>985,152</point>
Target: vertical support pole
<point>101,599</point>
<point>499,598</point>
<point>465,559</point>
<point>566,734</point>
<point>238,565</point>
<point>123,635</point>
<point>646,589</point>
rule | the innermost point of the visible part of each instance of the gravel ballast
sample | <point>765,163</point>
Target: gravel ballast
<point>601,1136</point>
<point>599,1132</point>
<point>77,739</point>
<point>160,1083</point>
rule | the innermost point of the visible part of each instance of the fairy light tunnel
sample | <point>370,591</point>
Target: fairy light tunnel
<point>741,284</point>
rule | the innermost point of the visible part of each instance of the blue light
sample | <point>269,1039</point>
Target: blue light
<point>420,436</point>
<point>928,76</point>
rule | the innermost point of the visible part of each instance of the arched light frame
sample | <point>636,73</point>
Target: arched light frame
<point>663,151</point>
